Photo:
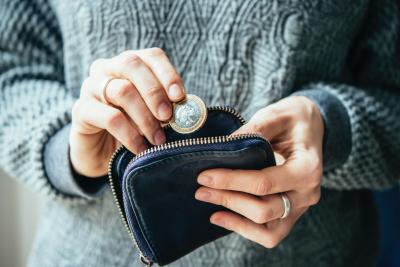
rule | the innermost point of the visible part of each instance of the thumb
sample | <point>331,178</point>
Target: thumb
<point>264,123</point>
<point>245,129</point>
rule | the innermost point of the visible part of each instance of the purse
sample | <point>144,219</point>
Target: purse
<point>154,190</point>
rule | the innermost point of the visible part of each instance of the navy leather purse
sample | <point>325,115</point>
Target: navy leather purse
<point>154,190</point>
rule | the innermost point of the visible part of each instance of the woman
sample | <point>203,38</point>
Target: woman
<point>320,79</point>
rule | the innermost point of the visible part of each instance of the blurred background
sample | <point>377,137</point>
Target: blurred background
<point>19,217</point>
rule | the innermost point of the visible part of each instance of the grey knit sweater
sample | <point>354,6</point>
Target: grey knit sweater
<point>344,55</point>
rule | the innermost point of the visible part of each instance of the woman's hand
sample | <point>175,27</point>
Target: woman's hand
<point>295,128</point>
<point>138,97</point>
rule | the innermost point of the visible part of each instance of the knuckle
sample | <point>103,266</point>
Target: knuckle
<point>273,114</point>
<point>272,241</point>
<point>318,170</point>
<point>154,92</point>
<point>263,187</point>
<point>257,127</point>
<point>131,59</point>
<point>277,116</point>
<point>95,66</point>
<point>225,201</point>
<point>156,52</point>
<point>79,112</point>
<point>264,215</point>
<point>314,198</point>
<point>312,176</point>
<point>115,120</point>
<point>124,90</point>
<point>314,180</point>
<point>173,77</point>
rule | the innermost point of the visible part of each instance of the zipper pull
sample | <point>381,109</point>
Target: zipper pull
<point>145,261</point>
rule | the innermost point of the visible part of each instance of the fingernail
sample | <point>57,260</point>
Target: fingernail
<point>202,195</point>
<point>159,137</point>
<point>204,180</point>
<point>175,92</point>
<point>217,221</point>
<point>164,111</point>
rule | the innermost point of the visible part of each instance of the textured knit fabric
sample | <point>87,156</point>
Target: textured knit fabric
<point>60,173</point>
<point>246,54</point>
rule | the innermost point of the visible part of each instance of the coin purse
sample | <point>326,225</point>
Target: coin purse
<point>154,190</point>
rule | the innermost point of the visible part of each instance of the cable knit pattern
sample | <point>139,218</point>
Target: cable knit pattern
<point>242,53</point>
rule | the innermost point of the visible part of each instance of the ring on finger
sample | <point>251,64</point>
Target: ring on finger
<point>287,206</point>
<point>105,83</point>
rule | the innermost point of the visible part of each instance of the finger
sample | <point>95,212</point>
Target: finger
<point>294,216</point>
<point>166,73</point>
<point>130,66</point>
<point>266,122</point>
<point>256,209</point>
<point>258,233</point>
<point>122,93</point>
<point>259,210</point>
<point>93,113</point>
<point>270,180</point>
<point>159,63</point>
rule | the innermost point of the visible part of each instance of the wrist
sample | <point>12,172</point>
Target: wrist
<point>60,171</point>
<point>84,156</point>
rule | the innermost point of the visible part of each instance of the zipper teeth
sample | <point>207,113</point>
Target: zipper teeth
<point>201,140</point>
<point>166,146</point>
<point>172,145</point>
<point>112,186</point>
<point>230,110</point>
<point>193,142</point>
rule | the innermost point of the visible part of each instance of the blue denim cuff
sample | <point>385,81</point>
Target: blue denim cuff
<point>337,132</point>
<point>60,172</point>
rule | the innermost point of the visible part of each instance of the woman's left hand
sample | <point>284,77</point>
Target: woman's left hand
<point>295,128</point>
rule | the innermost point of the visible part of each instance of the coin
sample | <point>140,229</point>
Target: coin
<point>189,115</point>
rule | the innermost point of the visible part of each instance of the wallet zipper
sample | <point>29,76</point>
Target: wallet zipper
<point>198,140</point>
<point>172,145</point>
<point>142,258</point>
<point>193,142</point>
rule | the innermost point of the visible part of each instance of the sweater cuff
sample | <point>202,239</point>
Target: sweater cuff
<point>337,132</point>
<point>60,172</point>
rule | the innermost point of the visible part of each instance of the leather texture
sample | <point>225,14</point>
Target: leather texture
<point>157,190</point>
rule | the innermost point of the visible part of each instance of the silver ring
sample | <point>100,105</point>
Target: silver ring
<point>106,82</point>
<point>286,205</point>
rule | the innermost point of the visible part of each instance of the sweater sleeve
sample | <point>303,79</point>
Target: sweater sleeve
<point>34,102</point>
<point>62,175</point>
<point>372,104</point>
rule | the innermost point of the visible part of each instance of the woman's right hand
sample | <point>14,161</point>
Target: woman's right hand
<point>139,96</point>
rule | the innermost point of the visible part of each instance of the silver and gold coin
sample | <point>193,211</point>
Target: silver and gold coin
<point>189,115</point>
